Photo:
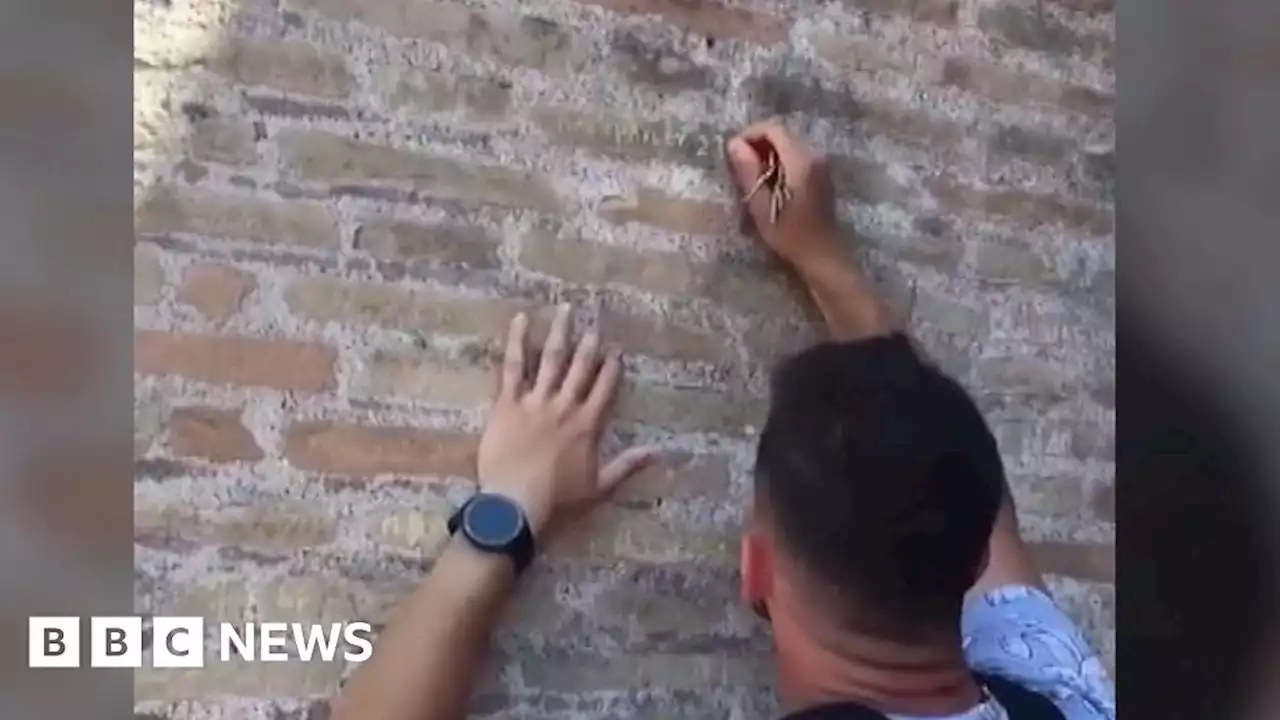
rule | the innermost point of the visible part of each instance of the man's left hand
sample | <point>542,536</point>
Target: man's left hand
<point>542,442</point>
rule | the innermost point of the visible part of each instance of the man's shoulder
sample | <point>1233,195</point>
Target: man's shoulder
<point>1018,633</point>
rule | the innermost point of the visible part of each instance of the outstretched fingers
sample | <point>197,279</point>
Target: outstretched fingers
<point>554,353</point>
<point>625,466</point>
<point>511,375</point>
<point>604,389</point>
<point>582,371</point>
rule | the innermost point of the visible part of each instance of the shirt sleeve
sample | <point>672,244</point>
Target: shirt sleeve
<point>1019,633</point>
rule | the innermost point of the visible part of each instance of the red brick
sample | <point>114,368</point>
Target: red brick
<point>440,243</point>
<point>211,433</point>
<point>770,339</point>
<point>322,157</point>
<point>785,95</point>
<point>776,94</point>
<point>1008,86</point>
<point>689,409</point>
<point>749,289</point>
<point>1033,144</point>
<point>939,12</point>
<point>860,54</point>
<point>190,172</point>
<point>348,449</point>
<point>215,290</point>
<point>479,97</point>
<point>512,39</point>
<point>1087,6</point>
<point>615,533</point>
<point>1081,99</point>
<point>1023,376</point>
<point>661,338</point>
<point>1007,262</point>
<point>1054,495</point>
<point>240,678</point>
<point>674,214</point>
<point>1083,561</point>
<point>740,287</point>
<point>866,180</point>
<point>709,17</point>
<point>279,526</point>
<point>221,215</point>
<point>936,246</point>
<point>294,66</point>
<point>678,476</point>
<point>658,64</point>
<point>1026,28</point>
<point>425,19</point>
<point>632,140</point>
<point>236,360</point>
<point>426,376</point>
<point>1030,209</point>
<point>220,140</point>
<point>294,108</point>
<point>416,309</point>
<point>161,469</point>
<point>580,261</point>
<point>524,40</point>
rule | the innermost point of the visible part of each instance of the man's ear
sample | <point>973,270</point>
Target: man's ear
<point>756,565</point>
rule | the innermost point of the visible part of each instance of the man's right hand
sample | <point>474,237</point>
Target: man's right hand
<point>805,232</point>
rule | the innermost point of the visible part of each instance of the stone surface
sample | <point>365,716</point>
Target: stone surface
<point>433,378</point>
<point>212,434</point>
<point>288,65</point>
<point>357,450</point>
<point>216,291</point>
<point>222,140</point>
<point>148,275</point>
<point>444,243</point>
<point>173,210</point>
<point>248,361</point>
<point>340,204</point>
<point>323,157</point>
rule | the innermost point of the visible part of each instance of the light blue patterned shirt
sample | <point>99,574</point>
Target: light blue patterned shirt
<point>1017,632</point>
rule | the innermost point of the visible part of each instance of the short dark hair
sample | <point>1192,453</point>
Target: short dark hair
<point>881,479</point>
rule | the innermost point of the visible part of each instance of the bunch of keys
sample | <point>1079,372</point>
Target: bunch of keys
<point>773,178</point>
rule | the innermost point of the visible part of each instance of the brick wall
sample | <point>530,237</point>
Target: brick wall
<point>341,202</point>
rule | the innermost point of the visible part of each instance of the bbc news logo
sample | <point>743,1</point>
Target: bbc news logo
<point>179,642</point>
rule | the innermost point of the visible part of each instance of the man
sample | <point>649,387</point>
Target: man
<point>882,544</point>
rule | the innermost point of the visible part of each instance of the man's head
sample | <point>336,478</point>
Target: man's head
<point>877,485</point>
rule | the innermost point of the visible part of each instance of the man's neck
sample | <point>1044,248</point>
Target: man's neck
<point>925,679</point>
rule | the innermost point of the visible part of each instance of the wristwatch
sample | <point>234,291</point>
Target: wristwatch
<point>495,524</point>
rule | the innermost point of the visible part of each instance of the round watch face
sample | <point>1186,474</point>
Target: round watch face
<point>492,521</point>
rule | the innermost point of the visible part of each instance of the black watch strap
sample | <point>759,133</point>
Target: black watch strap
<point>520,549</point>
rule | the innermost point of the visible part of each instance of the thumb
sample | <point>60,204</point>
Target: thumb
<point>625,466</point>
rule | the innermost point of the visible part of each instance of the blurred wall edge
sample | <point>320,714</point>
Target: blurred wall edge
<point>1198,191</point>
<point>65,339</point>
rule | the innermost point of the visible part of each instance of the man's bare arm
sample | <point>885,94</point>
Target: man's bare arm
<point>427,659</point>
<point>846,299</point>
<point>1009,560</point>
<point>807,237</point>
